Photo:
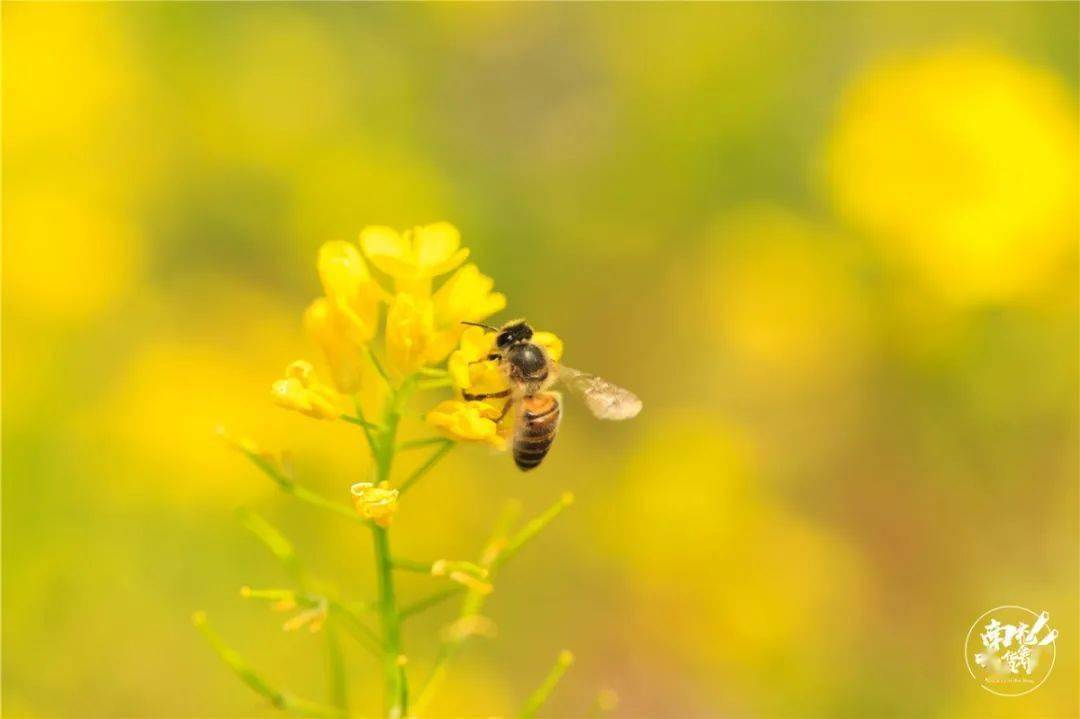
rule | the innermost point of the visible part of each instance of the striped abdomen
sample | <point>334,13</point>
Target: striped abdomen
<point>536,426</point>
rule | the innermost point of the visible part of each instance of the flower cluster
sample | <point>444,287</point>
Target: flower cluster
<point>422,329</point>
<point>389,325</point>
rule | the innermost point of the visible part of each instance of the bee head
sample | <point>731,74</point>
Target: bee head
<point>512,333</point>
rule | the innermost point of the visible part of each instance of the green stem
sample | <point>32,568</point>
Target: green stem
<point>339,690</point>
<point>379,368</point>
<point>498,551</point>
<point>414,443</point>
<point>427,465</point>
<point>397,692</point>
<point>411,565</point>
<point>355,626</point>
<point>360,421</point>
<point>283,700</point>
<point>391,623</point>
<point>430,601</point>
<point>289,486</point>
<point>532,528</point>
<point>540,696</point>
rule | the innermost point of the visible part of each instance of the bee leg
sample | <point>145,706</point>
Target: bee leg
<point>490,357</point>
<point>505,409</point>
<point>470,397</point>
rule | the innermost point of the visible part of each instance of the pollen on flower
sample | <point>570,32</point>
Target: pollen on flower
<point>302,391</point>
<point>410,327</point>
<point>470,369</point>
<point>375,503</point>
<point>472,421</point>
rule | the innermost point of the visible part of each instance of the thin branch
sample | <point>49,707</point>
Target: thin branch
<point>282,548</point>
<point>289,486</point>
<point>427,465</point>
<point>370,428</point>
<point>415,443</point>
<point>431,601</point>
<point>379,368</point>
<point>356,627</point>
<point>339,685</point>
<point>274,540</point>
<point>281,699</point>
<point>540,696</point>
<point>411,565</point>
<point>470,605</point>
<point>359,421</point>
<point>497,552</point>
<point>532,528</point>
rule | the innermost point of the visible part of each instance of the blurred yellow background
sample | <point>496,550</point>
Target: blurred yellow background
<point>833,247</point>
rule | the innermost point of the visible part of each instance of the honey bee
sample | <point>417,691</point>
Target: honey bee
<point>531,373</point>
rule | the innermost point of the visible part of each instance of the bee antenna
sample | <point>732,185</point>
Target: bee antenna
<point>489,328</point>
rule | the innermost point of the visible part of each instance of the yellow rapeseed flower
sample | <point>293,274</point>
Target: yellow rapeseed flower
<point>467,366</point>
<point>350,290</point>
<point>330,329</point>
<point>466,295</point>
<point>302,391</point>
<point>379,504</point>
<point>410,330</point>
<point>415,256</point>
<point>961,163</point>
<point>467,422</point>
<point>470,371</point>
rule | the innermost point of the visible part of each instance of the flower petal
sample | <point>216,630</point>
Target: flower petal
<point>435,244</point>
<point>409,330</point>
<point>449,263</point>
<point>331,331</point>
<point>388,250</point>
<point>342,270</point>
<point>466,295</point>
<point>467,422</point>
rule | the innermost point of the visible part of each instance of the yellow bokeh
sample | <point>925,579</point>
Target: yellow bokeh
<point>776,593</point>
<point>782,297</point>
<point>961,164</point>
<point>69,253</point>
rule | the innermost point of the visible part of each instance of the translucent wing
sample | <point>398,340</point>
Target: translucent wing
<point>604,399</point>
